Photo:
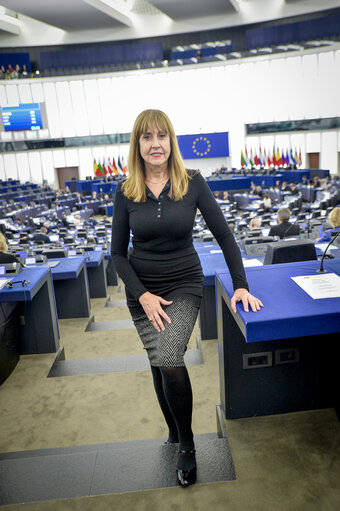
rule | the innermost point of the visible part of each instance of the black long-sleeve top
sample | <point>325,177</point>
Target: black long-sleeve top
<point>163,259</point>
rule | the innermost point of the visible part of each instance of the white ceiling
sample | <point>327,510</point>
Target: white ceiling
<point>48,22</point>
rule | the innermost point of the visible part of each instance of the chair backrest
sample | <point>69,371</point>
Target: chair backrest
<point>290,252</point>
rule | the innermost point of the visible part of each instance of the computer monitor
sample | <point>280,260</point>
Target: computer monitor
<point>290,252</point>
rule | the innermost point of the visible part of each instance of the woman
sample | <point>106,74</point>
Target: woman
<point>163,276</point>
<point>267,202</point>
<point>4,257</point>
<point>334,220</point>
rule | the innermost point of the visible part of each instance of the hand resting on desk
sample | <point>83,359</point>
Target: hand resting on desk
<point>243,295</point>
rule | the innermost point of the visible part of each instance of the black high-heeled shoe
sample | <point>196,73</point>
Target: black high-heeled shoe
<point>186,477</point>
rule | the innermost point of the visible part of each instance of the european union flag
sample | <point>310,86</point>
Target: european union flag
<point>204,145</point>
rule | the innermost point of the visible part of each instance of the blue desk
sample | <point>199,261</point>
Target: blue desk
<point>283,358</point>
<point>103,187</point>
<point>39,331</point>
<point>96,269</point>
<point>235,183</point>
<point>71,288</point>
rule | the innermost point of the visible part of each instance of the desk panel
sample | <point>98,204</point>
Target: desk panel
<point>296,368</point>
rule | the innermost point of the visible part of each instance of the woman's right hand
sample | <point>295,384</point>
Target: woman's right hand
<point>152,305</point>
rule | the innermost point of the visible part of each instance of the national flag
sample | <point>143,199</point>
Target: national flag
<point>256,159</point>
<point>269,160</point>
<point>124,166</point>
<point>283,159</point>
<point>204,145</point>
<point>105,167</point>
<point>296,157</point>
<point>265,159</point>
<point>109,167</point>
<point>114,166</point>
<point>246,157</point>
<point>120,166</point>
<point>300,158</point>
<point>287,158</point>
<point>274,157</point>
<point>251,159</point>
<point>278,158</point>
<point>95,168</point>
<point>101,171</point>
<point>261,159</point>
<point>291,158</point>
<point>243,161</point>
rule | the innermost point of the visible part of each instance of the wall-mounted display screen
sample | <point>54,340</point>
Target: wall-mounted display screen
<point>23,117</point>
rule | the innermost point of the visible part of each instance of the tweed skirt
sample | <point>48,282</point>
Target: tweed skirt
<point>167,348</point>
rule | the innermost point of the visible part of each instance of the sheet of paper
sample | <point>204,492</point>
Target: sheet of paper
<point>3,282</point>
<point>251,262</point>
<point>323,246</point>
<point>215,251</point>
<point>319,286</point>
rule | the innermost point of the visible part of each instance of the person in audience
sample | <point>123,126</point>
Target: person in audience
<point>284,227</point>
<point>163,276</point>
<point>94,196</point>
<point>267,202</point>
<point>294,189</point>
<point>78,222</point>
<point>277,185</point>
<point>316,182</point>
<point>304,181</point>
<point>79,198</point>
<point>2,72</point>
<point>285,187</point>
<point>41,237</point>
<point>252,190</point>
<point>92,221</point>
<point>255,223</point>
<point>258,191</point>
<point>64,221</point>
<point>24,71</point>
<point>4,256</point>
<point>225,196</point>
<point>334,220</point>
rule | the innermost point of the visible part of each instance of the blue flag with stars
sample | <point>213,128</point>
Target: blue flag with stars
<point>204,145</point>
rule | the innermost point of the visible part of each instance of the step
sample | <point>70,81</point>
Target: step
<point>105,365</point>
<point>139,465</point>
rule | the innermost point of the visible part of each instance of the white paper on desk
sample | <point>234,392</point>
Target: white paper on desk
<point>251,262</point>
<point>323,246</point>
<point>320,286</point>
<point>215,251</point>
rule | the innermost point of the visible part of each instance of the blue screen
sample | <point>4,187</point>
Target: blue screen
<point>25,116</point>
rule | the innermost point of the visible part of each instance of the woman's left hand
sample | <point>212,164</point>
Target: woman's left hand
<point>243,295</point>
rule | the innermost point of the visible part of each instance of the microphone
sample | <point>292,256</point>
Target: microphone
<point>321,269</point>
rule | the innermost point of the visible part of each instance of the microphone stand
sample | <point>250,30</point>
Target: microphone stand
<point>321,269</point>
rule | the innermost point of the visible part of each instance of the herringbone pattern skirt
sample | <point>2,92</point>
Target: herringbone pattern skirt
<point>167,348</point>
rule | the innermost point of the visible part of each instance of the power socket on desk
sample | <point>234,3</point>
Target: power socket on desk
<point>257,360</point>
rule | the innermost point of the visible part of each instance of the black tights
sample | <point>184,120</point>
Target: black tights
<point>173,389</point>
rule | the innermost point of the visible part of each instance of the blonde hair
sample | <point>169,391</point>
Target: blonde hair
<point>134,186</point>
<point>3,243</point>
<point>334,217</point>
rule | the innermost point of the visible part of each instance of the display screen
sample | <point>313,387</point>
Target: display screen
<point>25,116</point>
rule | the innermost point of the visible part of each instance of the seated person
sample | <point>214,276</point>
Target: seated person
<point>41,236</point>
<point>334,220</point>
<point>284,227</point>
<point>252,190</point>
<point>267,202</point>
<point>91,220</point>
<point>63,222</point>
<point>77,221</point>
<point>258,191</point>
<point>294,189</point>
<point>285,187</point>
<point>4,257</point>
<point>255,223</point>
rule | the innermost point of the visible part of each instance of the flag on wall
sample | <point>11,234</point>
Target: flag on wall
<point>261,159</point>
<point>204,145</point>
<point>105,167</point>
<point>256,160</point>
<point>300,158</point>
<point>246,157</point>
